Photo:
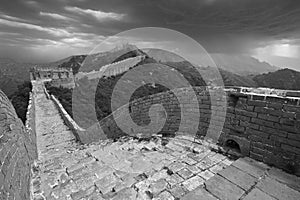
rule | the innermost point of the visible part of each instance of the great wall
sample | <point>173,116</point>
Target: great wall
<point>51,157</point>
<point>111,69</point>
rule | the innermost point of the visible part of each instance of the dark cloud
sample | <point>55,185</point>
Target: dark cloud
<point>221,26</point>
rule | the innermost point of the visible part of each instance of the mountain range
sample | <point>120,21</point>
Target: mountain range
<point>236,70</point>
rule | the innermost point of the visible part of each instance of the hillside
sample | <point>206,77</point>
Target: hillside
<point>87,63</point>
<point>229,79</point>
<point>12,74</point>
<point>239,64</point>
<point>287,79</point>
<point>242,64</point>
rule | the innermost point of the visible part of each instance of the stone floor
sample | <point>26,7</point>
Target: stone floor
<point>155,168</point>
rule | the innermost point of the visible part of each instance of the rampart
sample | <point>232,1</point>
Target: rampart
<point>265,127</point>
<point>17,150</point>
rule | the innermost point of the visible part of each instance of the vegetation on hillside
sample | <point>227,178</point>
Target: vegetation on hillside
<point>20,99</point>
<point>64,95</point>
<point>286,79</point>
<point>130,54</point>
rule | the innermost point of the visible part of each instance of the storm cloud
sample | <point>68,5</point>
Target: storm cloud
<point>48,30</point>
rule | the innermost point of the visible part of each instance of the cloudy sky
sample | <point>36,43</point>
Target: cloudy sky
<point>48,30</point>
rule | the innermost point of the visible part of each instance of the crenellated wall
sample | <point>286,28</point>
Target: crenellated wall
<point>17,150</point>
<point>266,128</point>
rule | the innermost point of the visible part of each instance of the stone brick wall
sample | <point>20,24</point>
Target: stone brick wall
<point>30,126</point>
<point>266,128</point>
<point>15,149</point>
<point>67,118</point>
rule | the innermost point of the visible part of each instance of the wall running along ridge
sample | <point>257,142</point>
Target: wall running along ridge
<point>17,150</point>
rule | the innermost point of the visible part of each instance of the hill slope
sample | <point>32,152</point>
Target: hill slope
<point>242,64</point>
<point>286,79</point>
<point>238,64</point>
<point>12,74</point>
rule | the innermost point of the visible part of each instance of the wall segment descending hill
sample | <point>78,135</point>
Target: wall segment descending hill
<point>112,69</point>
<point>17,150</point>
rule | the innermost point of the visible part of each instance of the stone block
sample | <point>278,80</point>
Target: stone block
<point>250,166</point>
<point>158,186</point>
<point>192,183</point>
<point>106,184</point>
<point>198,194</point>
<point>206,174</point>
<point>290,180</point>
<point>185,173</point>
<point>194,169</point>
<point>276,189</point>
<point>164,196</point>
<point>176,166</point>
<point>223,189</point>
<point>238,177</point>
<point>174,179</point>
<point>258,194</point>
<point>177,191</point>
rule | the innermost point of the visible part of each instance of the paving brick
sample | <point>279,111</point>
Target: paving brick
<point>238,177</point>
<point>217,168</point>
<point>83,193</point>
<point>197,194</point>
<point>277,189</point>
<point>188,160</point>
<point>106,184</point>
<point>199,157</point>
<point>127,193</point>
<point>206,174</point>
<point>251,167</point>
<point>185,173</point>
<point>258,194</point>
<point>285,178</point>
<point>164,196</point>
<point>194,169</point>
<point>223,189</point>
<point>174,179</point>
<point>205,163</point>
<point>176,166</point>
<point>162,174</point>
<point>177,191</point>
<point>158,186</point>
<point>192,183</point>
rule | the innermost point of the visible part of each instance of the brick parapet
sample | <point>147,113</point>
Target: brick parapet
<point>266,127</point>
<point>15,150</point>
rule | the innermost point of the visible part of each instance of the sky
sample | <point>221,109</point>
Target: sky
<point>49,30</point>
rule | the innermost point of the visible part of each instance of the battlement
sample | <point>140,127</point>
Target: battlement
<point>50,73</point>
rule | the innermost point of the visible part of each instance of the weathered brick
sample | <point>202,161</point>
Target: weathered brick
<point>275,105</point>
<point>288,122</point>
<point>273,131</point>
<point>257,103</point>
<point>262,122</point>
<point>291,148</point>
<point>291,108</point>
<point>268,117</point>
<point>250,131</point>
<point>246,113</point>
<point>256,156</point>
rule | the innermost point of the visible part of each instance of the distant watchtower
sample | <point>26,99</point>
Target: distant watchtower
<point>56,76</point>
